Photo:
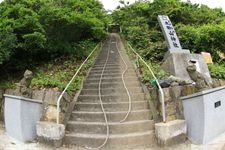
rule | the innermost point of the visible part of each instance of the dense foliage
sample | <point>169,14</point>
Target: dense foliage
<point>35,30</point>
<point>217,71</point>
<point>198,27</point>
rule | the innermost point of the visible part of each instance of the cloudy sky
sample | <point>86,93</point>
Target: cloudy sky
<point>112,4</point>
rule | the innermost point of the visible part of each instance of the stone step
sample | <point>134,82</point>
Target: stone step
<point>107,65</point>
<point>116,106</point>
<point>112,80</point>
<point>121,67</point>
<point>109,91</point>
<point>136,140</point>
<point>112,58</point>
<point>112,69</point>
<point>110,61</point>
<point>111,85</point>
<point>111,72</point>
<point>115,127</point>
<point>103,54</point>
<point>103,57</point>
<point>111,116</point>
<point>110,64</point>
<point>126,74</point>
<point>111,98</point>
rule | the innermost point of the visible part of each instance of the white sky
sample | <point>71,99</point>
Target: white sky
<point>112,4</point>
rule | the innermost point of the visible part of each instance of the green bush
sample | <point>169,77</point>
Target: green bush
<point>204,38</point>
<point>199,28</point>
<point>33,31</point>
<point>158,72</point>
<point>217,71</point>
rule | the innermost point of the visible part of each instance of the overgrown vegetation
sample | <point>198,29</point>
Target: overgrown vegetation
<point>38,32</point>
<point>59,72</point>
<point>198,27</point>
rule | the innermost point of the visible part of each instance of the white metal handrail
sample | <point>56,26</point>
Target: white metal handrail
<point>61,95</point>
<point>160,88</point>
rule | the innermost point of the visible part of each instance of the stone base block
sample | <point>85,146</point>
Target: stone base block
<point>176,63</point>
<point>171,133</point>
<point>50,133</point>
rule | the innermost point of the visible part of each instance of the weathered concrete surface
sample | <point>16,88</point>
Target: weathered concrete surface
<point>176,64</point>
<point>170,133</point>
<point>21,115</point>
<point>50,133</point>
<point>205,113</point>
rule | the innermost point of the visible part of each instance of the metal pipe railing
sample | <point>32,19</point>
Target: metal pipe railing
<point>61,95</point>
<point>160,88</point>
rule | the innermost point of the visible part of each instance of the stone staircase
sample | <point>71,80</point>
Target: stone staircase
<point>86,126</point>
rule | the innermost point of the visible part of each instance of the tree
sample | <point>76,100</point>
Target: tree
<point>199,27</point>
<point>47,28</point>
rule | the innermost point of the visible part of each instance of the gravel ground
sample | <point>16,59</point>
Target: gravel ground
<point>8,143</point>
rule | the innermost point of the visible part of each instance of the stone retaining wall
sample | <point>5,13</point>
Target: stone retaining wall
<point>49,98</point>
<point>173,104</point>
<point>218,82</point>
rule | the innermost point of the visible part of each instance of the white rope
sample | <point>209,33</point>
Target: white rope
<point>100,99</point>
<point>124,84</point>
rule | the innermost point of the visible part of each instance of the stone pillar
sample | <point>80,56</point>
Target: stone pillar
<point>176,63</point>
